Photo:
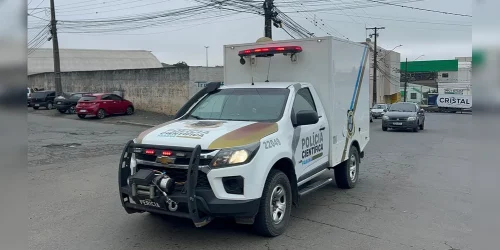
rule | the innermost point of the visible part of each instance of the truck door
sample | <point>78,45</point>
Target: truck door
<point>311,151</point>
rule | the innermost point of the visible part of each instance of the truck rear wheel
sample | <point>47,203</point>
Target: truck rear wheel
<point>346,174</point>
<point>275,205</point>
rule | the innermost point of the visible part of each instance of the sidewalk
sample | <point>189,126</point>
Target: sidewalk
<point>139,118</point>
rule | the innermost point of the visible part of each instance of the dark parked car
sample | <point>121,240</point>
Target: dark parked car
<point>43,99</point>
<point>68,103</point>
<point>101,105</point>
<point>404,115</point>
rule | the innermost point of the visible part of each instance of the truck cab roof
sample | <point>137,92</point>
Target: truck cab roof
<point>262,85</point>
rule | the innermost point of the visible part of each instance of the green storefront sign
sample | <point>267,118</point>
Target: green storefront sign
<point>430,66</point>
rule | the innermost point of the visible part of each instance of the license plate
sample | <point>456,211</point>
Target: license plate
<point>83,111</point>
<point>37,105</point>
<point>397,123</point>
<point>150,203</point>
<point>58,102</point>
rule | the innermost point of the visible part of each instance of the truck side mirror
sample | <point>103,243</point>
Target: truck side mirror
<point>306,117</point>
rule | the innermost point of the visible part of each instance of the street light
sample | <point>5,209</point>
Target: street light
<point>396,47</point>
<point>387,52</point>
<point>418,57</point>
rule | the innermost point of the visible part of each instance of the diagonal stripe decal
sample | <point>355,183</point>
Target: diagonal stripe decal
<point>354,102</point>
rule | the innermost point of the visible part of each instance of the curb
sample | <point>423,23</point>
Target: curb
<point>135,124</point>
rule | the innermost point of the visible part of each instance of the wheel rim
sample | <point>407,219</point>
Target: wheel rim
<point>100,114</point>
<point>72,110</point>
<point>129,110</point>
<point>353,168</point>
<point>49,106</point>
<point>278,204</point>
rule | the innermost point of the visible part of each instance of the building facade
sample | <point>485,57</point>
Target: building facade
<point>388,74</point>
<point>436,76</point>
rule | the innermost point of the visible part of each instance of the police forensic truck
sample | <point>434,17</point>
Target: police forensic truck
<point>288,112</point>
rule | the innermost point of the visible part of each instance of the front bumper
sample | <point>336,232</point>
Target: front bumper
<point>195,203</point>
<point>401,124</point>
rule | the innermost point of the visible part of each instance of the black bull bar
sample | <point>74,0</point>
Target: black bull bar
<point>190,197</point>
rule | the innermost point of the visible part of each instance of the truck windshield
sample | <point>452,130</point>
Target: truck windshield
<point>403,107</point>
<point>379,106</point>
<point>259,104</point>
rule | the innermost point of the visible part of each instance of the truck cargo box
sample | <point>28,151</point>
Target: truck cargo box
<point>338,69</point>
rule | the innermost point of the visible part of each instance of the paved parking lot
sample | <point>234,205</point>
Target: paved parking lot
<point>414,193</point>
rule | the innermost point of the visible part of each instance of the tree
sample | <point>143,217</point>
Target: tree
<point>181,64</point>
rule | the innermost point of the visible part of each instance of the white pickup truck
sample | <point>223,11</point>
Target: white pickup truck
<point>288,112</point>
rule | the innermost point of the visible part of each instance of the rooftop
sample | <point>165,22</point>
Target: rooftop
<point>41,60</point>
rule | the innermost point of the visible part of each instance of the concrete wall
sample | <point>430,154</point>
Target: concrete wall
<point>162,90</point>
<point>199,76</point>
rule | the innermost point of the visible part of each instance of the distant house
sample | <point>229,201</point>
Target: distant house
<point>41,60</point>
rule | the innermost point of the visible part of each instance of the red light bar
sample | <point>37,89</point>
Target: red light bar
<point>149,151</point>
<point>166,153</point>
<point>271,50</point>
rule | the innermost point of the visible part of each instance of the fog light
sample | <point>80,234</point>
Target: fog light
<point>233,184</point>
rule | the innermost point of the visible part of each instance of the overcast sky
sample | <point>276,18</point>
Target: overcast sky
<point>437,36</point>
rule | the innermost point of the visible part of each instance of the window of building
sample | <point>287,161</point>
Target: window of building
<point>413,96</point>
<point>445,75</point>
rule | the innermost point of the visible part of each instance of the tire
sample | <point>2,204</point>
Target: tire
<point>421,126</point>
<point>264,223</point>
<point>81,116</point>
<point>101,114</point>
<point>72,110</point>
<point>347,173</point>
<point>36,108</point>
<point>415,129</point>
<point>130,110</point>
<point>49,106</point>
<point>62,111</point>
<point>384,128</point>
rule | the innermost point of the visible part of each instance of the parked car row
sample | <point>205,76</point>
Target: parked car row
<point>84,104</point>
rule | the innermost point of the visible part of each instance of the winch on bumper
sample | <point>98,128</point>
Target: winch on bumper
<point>150,190</point>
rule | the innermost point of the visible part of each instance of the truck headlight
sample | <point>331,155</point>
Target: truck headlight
<point>235,156</point>
<point>385,117</point>
<point>412,118</point>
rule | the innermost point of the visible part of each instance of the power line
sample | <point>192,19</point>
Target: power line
<point>36,7</point>
<point>421,9</point>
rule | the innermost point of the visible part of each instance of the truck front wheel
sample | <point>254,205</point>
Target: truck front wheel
<point>275,205</point>
<point>346,174</point>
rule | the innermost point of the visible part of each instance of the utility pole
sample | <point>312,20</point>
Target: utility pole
<point>268,15</point>
<point>406,77</point>
<point>55,49</point>
<point>206,56</point>
<point>375,52</point>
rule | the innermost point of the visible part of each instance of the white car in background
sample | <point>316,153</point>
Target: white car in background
<point>378,110</point>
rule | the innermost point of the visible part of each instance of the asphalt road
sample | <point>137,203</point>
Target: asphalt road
<point>414,193</point>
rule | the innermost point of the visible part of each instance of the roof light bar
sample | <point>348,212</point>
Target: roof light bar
<point>271,50</point>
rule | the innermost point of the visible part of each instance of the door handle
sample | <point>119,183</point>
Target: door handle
<point>322,128</point>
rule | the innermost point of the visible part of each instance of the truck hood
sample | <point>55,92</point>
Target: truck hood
<point>209,134</point>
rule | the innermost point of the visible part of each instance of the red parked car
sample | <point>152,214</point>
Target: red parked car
<point>103,104</point>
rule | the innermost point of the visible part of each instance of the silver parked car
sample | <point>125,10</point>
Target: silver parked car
<point>404,115</point>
